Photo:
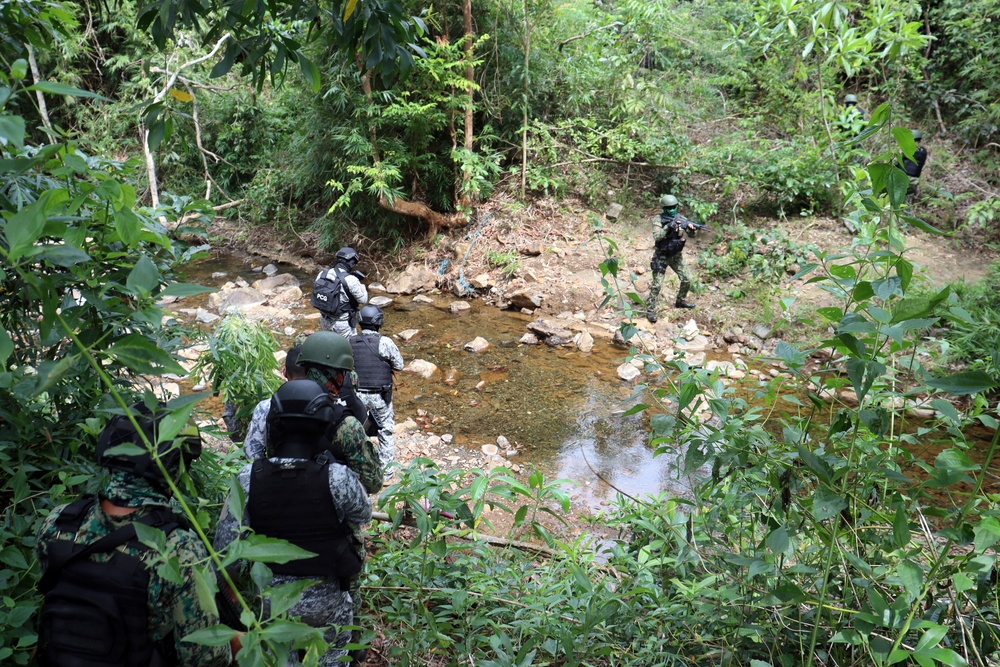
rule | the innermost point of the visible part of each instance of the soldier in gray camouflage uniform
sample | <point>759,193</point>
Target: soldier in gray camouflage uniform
<point>668,236</point>
<point>173,608</point>
<point>301,422</point>
<point>376,358</point>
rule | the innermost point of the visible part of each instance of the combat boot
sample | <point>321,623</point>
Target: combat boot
<point>681,303</point>
<point>651,316</point>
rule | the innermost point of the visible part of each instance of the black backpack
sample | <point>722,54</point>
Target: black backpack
<point>95,614</point>
<point>328,293</point>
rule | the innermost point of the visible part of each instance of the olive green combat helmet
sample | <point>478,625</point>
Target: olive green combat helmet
<point>850,99</point>
<point>668,201</point>
<point>329,349</point>
<point>917,135</point>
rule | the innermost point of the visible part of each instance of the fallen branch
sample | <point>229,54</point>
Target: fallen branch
<point>489,539</point>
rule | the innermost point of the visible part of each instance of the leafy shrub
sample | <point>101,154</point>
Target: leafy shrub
<point>508,261</point>
<point>767,254</point>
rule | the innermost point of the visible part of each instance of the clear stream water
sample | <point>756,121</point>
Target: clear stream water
<point>563,410</point>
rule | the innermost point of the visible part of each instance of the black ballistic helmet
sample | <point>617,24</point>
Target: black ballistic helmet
<point>347,256</point>
<point>183,449</point>
<point>301,412</point>
<point>371,317</point>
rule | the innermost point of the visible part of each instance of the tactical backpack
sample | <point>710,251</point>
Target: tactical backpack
<point>95,614</point>
<point>329,294</point>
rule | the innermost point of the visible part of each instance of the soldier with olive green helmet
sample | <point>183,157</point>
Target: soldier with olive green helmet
<point>669,240</point>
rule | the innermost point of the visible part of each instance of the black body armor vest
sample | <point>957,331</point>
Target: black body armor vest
<point>373,371</point>
<point>292,501</point>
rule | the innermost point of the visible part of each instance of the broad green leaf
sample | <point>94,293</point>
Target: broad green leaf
<point>912,577</point>
<point>901,528</point>
<point>19,69</point>
<point>285,596</point>
<point>217,635</point>
<point>6,347</point>
<point>142,356</point>
<point>206,588</point>
<point>777,542</point>
<point>26,226</point>
<point>271,550</point>
<point>820,467</point>
<point>896,183</point>
<point>827,504</point>
<point>904,138</point>
<point>987,533</point>
<point>128,226</point>
<point>56,88</point>
<point>287,631</point>
<point>185,289</point>
<point>966,382</point>
<point>62,255</point>
<point>927,227</point>
<point>12,131</point>
<point>144,277</point>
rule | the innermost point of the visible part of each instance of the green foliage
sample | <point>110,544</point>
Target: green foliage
<point>964,72</point>
<point>507,260</point>
<point>768,254</point>
<point>240,363</point>
<point>972,333</point>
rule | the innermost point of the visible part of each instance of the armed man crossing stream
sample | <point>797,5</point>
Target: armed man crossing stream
<point>668,235</point>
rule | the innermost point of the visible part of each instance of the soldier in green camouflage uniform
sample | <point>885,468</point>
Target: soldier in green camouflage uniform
<point>173,608</point>
<point>668,237</point>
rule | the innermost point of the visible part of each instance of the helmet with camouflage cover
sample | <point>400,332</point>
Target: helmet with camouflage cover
<point>668,201</point>
<point>850,99</point>
<point>328,349</point>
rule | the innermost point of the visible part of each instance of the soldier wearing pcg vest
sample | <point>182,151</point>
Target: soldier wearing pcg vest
<point>103,604</point>
<point>338,293</point>
<point>376,357</point>
<point>301,493</point>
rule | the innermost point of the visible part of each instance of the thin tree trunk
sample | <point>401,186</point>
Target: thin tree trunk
<point>829,136</point>
<point>464,199</point>
<point>154,191</point>
<point>42,109</point>
<point>435,221</point>
<point>524,117</point>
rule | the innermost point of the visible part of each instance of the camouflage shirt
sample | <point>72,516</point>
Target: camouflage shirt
<point>171,607</point>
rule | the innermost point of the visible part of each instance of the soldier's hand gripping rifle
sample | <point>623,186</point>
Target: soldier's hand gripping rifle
<point>690,226</point>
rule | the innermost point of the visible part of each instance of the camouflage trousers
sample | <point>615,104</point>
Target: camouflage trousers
<point>912,189</point>
<point>385,418</point>
<point>341,326</point>
<point>659,266</point>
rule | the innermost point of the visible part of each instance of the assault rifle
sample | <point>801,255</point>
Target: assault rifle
<point>682,223</point>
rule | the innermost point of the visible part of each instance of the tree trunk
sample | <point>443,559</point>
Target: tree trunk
<point>42,109</point>
<point>435,221</point>
<point>524,101</point>
<point>154,191</point>
<point>463,200</point>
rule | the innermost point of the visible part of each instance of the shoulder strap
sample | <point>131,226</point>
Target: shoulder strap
<point>163,519</point>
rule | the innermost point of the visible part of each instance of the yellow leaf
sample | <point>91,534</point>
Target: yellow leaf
<point>181,96</point>
<point>349,9</point>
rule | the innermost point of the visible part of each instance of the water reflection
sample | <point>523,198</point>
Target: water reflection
<point>609,452</point>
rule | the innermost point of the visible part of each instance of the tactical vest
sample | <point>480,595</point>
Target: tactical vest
<point>674,242</point>
<point>96,614</point>
<point>374,372</point>
<point>292,501</point>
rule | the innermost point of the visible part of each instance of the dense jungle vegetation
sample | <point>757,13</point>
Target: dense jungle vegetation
<point>822,535</point>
